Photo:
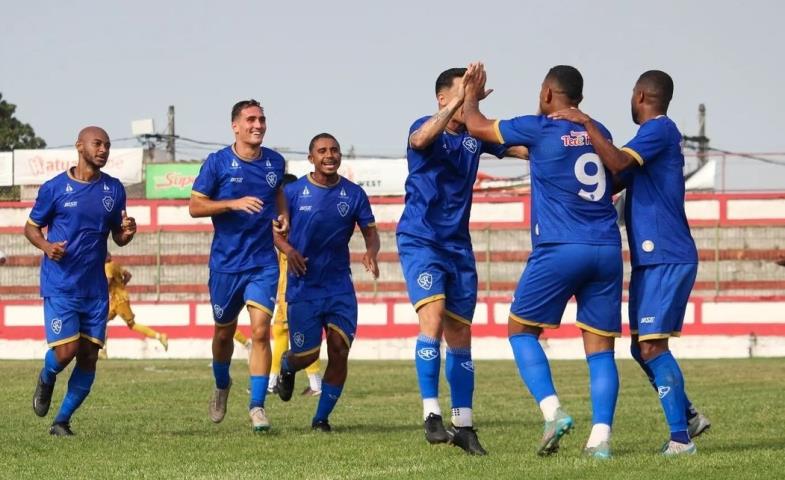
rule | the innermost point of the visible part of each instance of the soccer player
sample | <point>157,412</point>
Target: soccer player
<point>324,208</point>
<point>281,330</point>
<point>239,187</point>
<point>576,251</point>
<point>436,256</point>
<point>79,208</point>
<point>663,254</point>
<point>119,303</point>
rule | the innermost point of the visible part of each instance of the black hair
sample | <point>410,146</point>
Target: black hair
<point>242,105</point>
<point>569,80</point>
<point>447,77</point>
<point>658,85</point>
<point>320,136</point>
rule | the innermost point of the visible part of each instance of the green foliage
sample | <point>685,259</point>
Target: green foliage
<point>148,419</point>
<point>13,133</point>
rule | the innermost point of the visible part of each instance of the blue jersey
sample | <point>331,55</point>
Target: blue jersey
<point>571,189</point>
<point>439,187</point>
<point>322,222</point>
<point>242,241</point>
<point>82,214</point>
<point>657,227</point>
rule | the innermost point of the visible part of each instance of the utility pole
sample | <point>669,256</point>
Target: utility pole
<point>703,142</point>
<point>170,134</point>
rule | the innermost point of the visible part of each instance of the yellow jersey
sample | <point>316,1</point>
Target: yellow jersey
<point>114,275</point>
<point>280,297</point>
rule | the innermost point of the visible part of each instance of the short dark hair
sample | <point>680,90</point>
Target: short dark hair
<point>569,80</point>
<point>288,178</point>
<point>320,136</point>
<point>448,76</point>
<point>657,84</point>
<point>242,105</point>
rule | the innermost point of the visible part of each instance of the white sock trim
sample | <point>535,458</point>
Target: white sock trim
<point>600,432</point>
<point>462,417</point>
<point>429,406</point>
<point>549,405</point>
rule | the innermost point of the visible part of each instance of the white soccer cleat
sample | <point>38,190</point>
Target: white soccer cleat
<point>259,420</point>
<point>698,425</point>
<point>676,449</point>
<point>216,410</point>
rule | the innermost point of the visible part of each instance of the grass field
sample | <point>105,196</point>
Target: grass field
<point>147,419</point>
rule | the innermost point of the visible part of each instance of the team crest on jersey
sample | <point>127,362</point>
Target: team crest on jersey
<point>57,326</point>
<point>470,144</point>
<point>299,339</point>
<point>468,365</point>
<point>425,280</point>
<point>272,179</point>
<point>343,192</point>
<point>218,311</point>
<point>108,203</point>
<point>427,353</point>
<point>68,188</point>
<point>343,208</point>
<point>306,192</point>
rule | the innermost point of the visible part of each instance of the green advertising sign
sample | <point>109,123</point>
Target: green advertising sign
<point>170,180</point>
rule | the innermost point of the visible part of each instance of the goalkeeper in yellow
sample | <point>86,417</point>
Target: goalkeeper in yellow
<point>119,304</point>
<point>281,330</point>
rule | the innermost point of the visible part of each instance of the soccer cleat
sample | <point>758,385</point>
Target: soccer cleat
<point>164,339</point>
<point>216,410</point>
<point>42,397</point>
<point>552,433</point>
<point>61,429</point>
<point>434,429</point>
<point>600,452</point>
<point>285,382</point>
<point>259,420</point>
<point>311,393</point>
<point>697,425</point>
<point>321,426</point>
<point>675,449</point>
<point>466,438</point>
<point>273,388</point>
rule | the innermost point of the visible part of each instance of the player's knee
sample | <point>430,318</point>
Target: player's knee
<point>337,348</point>
<point>224,334</point>
<point>66,352</point>
<point>457,334</point>
<point>261,333</point>
<point>431,317</point>
<point>87,357</point>
<point>653,348</point>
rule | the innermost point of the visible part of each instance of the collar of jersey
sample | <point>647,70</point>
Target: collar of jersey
<point>239,157</point>
<point>324,186</point>
<point>68,172</point>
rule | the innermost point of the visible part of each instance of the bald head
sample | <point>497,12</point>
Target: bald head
<point>93,146</point>
<point>92,132</point>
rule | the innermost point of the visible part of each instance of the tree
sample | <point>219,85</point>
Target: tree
<point>13,133</point>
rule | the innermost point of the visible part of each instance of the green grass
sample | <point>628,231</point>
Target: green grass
<point>148,419</point>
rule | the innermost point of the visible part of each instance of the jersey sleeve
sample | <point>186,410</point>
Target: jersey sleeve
<point>44,207</point>
<point>496,149</point>
<point>206,183</point>
<point>364,214</point>
<point>523,130</point>
<point>650,141</point>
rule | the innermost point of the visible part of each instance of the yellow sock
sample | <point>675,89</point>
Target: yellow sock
<point>239,337</point>
<point>280,345</point>
<point>315,367</point>
<point>145,330</point>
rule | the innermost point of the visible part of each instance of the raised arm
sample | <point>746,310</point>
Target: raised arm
<point>615,159</point>
<point>124,233</point>
<point>477,124</point>
<point>424,136</point>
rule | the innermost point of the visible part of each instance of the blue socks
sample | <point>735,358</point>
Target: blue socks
<point>532,365</point>
<point>635,350</point>
<point>459,370</point>
<point>78,388</point>
<point>670,387</point>
<point>221,374</point>
<point>259,385</point>
<point>427,361</point>
<point>327,400</point>
<point>51,367</point>
<point>604,380</point>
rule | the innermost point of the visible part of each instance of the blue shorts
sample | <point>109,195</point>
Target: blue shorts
<point>658,299</point>
<point>556,272</point>
<point>66,319</point>
<point>308,318</point>
<point>446,272</point>
<point>230,292</point>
